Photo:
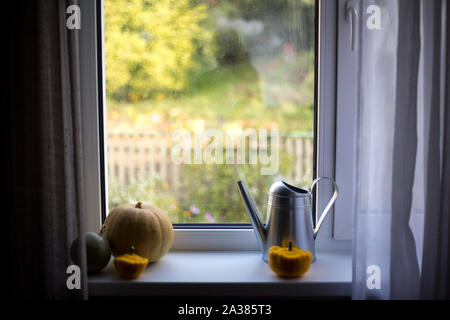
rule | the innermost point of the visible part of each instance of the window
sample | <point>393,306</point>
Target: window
<point>203,93</point>
<point>283,79</point>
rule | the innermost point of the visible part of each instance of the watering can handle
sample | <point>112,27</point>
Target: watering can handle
<point>329,205</point>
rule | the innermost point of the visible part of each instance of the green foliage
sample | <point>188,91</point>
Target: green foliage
<point>150,191</point>
<point>151,46</point>
<point>173,59</point>
<point>204,189</point>
<point>213,189</point>
<point>165,46</point>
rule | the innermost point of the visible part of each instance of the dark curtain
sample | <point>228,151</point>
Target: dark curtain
<point>404,269</point>
<point>435,282</point>
<point>44,178</point>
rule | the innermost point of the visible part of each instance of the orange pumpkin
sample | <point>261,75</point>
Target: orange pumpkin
<point>289,262</point>
<point>130,265</point>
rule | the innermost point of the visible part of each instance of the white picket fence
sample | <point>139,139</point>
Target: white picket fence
<point>146,156</point>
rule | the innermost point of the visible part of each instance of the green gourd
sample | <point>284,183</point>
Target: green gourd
<point>98,252</point>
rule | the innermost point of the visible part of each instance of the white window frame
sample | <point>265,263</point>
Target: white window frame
<point>334,233</point>
<point>346,106</point>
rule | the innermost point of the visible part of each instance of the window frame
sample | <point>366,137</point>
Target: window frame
<point>238,237</point>
<point>346,107</point>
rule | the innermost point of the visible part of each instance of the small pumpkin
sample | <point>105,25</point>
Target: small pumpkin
<point>130,265</point>
<point>146,227</point>
<point>98,252</point>
<point>289,262</point>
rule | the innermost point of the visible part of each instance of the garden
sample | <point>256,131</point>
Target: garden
<point>229,65</point>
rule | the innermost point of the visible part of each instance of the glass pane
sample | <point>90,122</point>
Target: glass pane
<point>202,93</point>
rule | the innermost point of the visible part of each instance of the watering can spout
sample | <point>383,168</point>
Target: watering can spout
<point>252,211</point>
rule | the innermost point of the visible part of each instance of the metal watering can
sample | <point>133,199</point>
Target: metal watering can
<point>289,216</point>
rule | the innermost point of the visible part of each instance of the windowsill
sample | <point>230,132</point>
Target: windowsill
<point>238,274</point>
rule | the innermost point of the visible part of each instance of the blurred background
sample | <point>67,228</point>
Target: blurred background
<point>229,65</point>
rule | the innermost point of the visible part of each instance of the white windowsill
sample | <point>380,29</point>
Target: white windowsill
<point>228,273</point>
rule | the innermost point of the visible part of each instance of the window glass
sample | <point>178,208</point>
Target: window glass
<point>202,93</point>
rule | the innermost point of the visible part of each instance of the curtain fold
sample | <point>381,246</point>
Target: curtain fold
<point>45,160</point>
<point>404,268</point>
<point>435,261</point>
<point>401,238</point>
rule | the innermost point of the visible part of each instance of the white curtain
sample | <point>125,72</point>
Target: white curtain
<point>401,237</point>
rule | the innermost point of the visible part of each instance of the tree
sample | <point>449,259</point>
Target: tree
<point>151,46</point>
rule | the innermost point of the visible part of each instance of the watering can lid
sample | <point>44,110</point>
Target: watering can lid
<point>284,190</point>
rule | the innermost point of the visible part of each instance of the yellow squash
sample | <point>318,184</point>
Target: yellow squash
<point>289,262</point>
<point>130,265</point>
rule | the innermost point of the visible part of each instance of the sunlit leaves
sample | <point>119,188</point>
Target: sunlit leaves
<point>150,46</point>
